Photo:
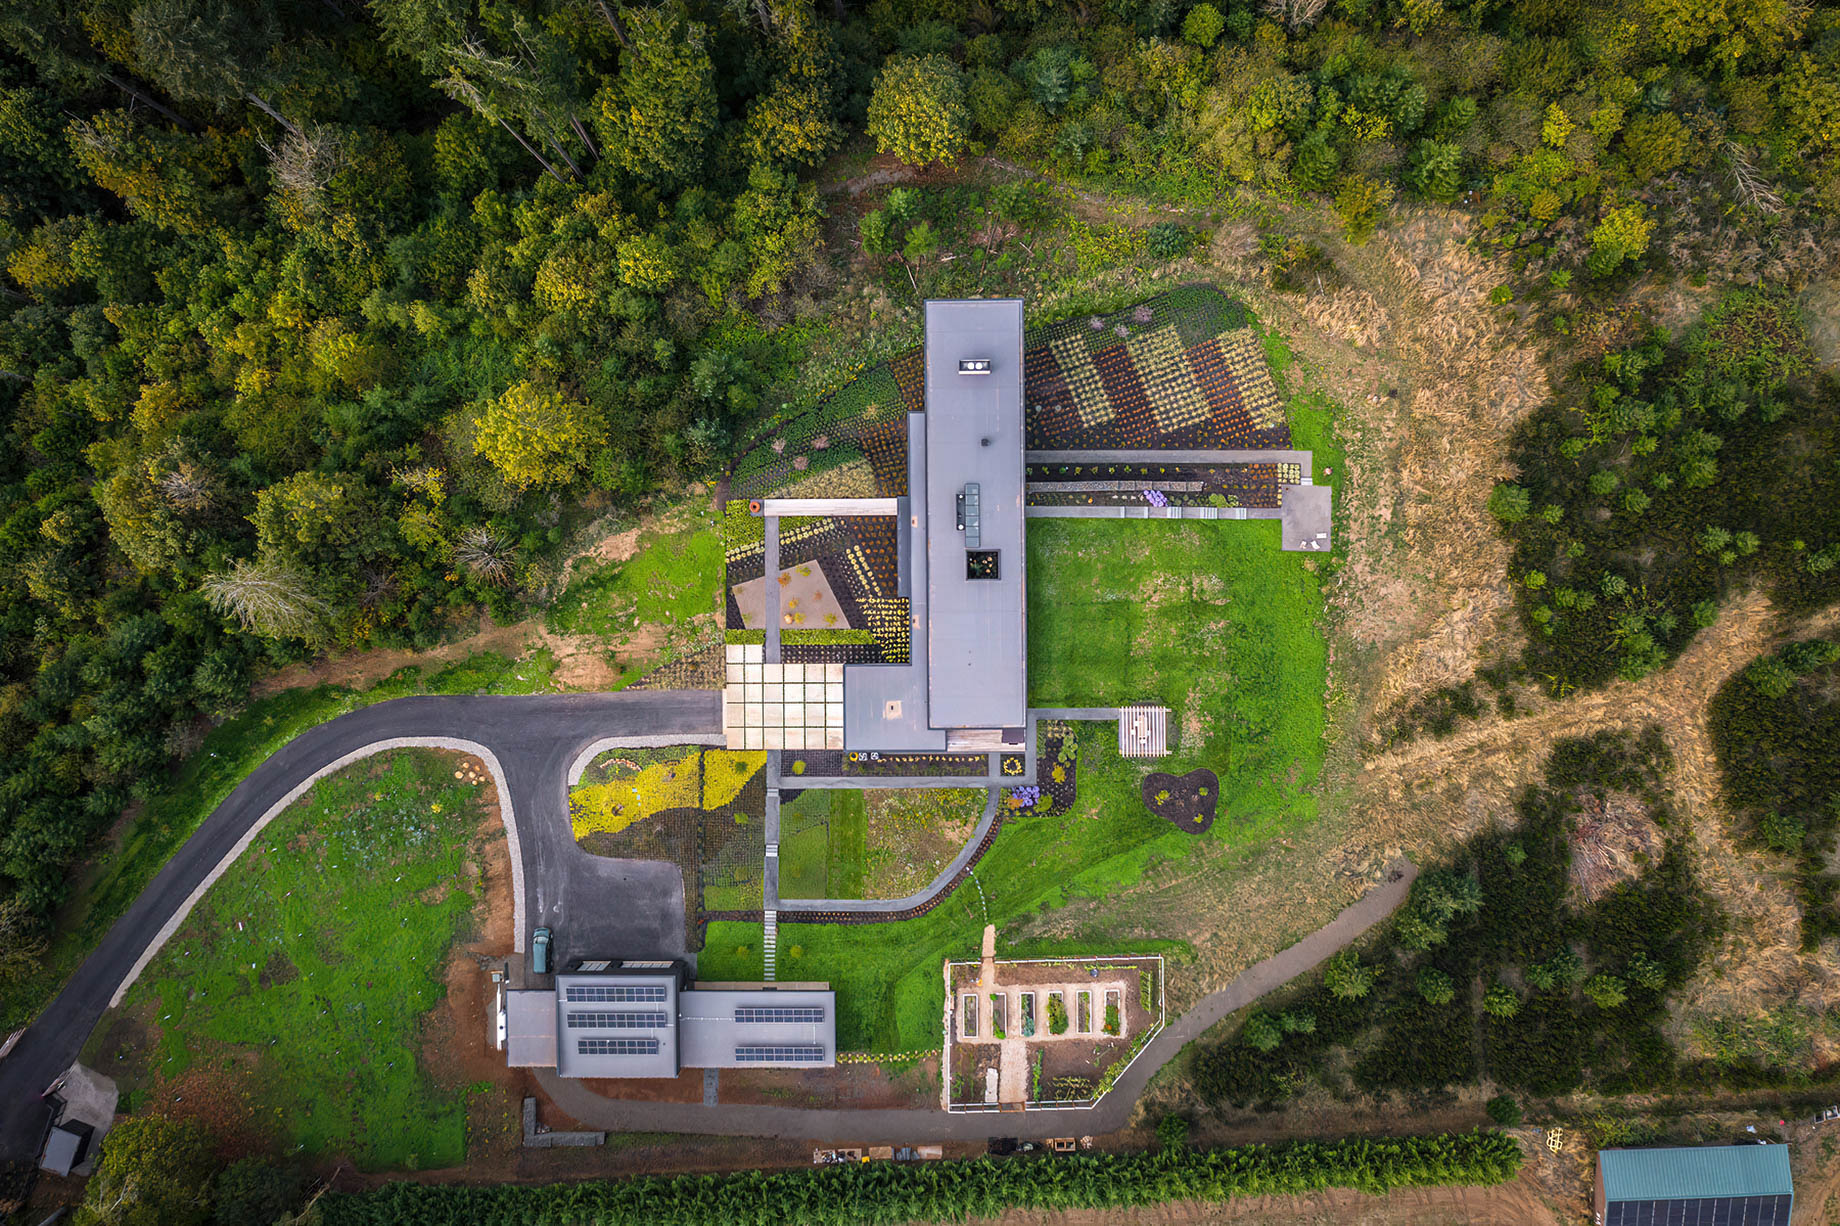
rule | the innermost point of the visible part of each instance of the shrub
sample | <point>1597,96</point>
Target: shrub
<point>1783,831</point>
<point>1501,1001</point>
<point>1172,1132</point>
<point>1262,1033</point>
<point>1510,503</point>
<point>918,111</point>
<point>1346,978</point>
<point>1622,235</point>
<point>1167,240</point>
<point>153,1170</point>
<point>1504,1110</point>
<point>1435,170</point>
<point>1360,202</point>
<point>1203,26</point>
<point>1435,986</point>
<point>1605,991</point>
<point>1647,973</point>
<point>1317,163</point>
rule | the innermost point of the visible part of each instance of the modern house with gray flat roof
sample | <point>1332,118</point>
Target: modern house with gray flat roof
<point>977,643</point>
<point>626,1020</point>
<point>961,564</point>
<point>966,684</point>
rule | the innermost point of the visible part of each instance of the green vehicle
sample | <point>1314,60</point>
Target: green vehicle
<point>539,952</point>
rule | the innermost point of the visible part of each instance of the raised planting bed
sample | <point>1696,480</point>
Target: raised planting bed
<point>1187,802</point>
<point>1058,1020</point>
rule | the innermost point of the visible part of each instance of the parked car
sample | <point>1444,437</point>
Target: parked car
<point>539,952</point>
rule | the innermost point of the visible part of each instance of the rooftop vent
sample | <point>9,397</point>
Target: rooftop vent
<point>974,366</point>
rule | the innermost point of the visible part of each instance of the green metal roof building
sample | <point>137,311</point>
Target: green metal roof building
<point>1713,1185</point>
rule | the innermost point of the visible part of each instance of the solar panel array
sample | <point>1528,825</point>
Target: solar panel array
<point>618,1021</point>
<point>779,1013</point>
<point>1700,1211</point>
<point>779,1055</point>
<point>633,993</point>
<point>616,1047</point>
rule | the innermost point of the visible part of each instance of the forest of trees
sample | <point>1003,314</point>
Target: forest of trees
<point>319,317</point>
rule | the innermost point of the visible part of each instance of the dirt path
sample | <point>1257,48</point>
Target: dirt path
<point>1478,770</point>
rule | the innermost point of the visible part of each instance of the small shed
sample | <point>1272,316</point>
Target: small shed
<point>66,1147</point>
<point>1143,732</point>
<point>530,1029</point>
<point>1711,1185</point>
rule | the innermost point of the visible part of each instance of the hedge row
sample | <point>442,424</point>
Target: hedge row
<point>944,1191</point>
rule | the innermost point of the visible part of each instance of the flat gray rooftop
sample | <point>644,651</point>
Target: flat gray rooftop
<point>759,1028</point>
<point>619,1025</point>
<point>530,1028</point>
<point>1305,518</point>
<point>977,653</point>
<point>884,705</point>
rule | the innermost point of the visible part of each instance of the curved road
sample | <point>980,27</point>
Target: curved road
<point>592,903</point>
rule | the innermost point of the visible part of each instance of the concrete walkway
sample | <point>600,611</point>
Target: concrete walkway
<point>909,1126</point>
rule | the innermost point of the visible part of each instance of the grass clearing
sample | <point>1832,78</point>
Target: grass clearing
<point>674,578</point>
<point>227,756</point>
<point>912,834</point>
<point>296,988</point>
<point>849,833</point>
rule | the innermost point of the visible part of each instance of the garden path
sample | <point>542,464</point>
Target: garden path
<point>896,1126</point>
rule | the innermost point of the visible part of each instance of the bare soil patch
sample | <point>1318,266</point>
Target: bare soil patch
<point>1186,802</point>
<point>851,1086</point>
<point>1613,840</point>
<point>458,1041</point>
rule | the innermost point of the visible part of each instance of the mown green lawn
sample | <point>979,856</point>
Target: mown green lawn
<point>300,981</point>
<point>821,844</point>
<point>674,577</point>
<point>1209,618</point>
<point>200,783</point>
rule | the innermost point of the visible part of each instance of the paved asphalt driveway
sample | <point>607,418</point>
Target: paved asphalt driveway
<point>596,906</point>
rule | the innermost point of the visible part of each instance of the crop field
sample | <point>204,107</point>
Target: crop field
<point>290,1002</point>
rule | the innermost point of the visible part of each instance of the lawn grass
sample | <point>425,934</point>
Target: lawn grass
<point>300,980</point>
<point>670,580</point>
<point>805,845</point>
<point>804,862</point>
<point>200,783</point>
<point>849,831</point>
<point>1208,618</point>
